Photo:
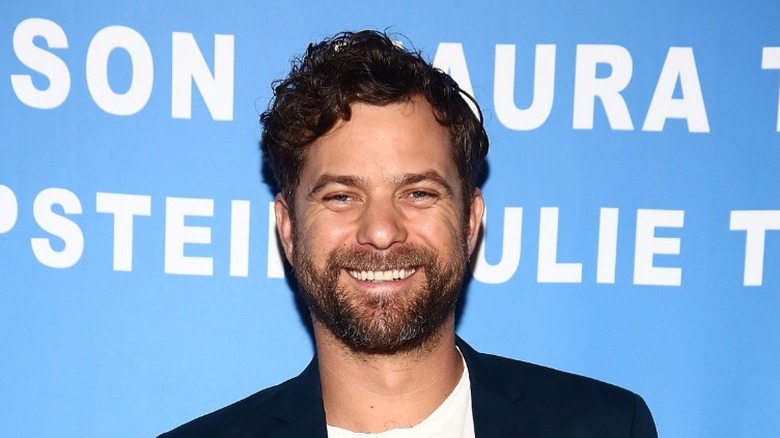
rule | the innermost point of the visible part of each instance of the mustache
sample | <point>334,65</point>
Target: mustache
<point>364,259</point>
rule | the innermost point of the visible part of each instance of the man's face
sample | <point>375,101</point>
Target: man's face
<point>380,237</point>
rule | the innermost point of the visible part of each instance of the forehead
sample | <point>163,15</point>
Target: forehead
<point>383,143</point>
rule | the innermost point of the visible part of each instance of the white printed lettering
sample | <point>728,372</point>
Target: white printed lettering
<point>189,65</point>
<point>59,226</point>
<point>124,207</point>
<point>755,223</point>
<point>549,270</point>
<point>543,89</point>
<point>239,238</point>
<point>502,271</point>
<point>770,60</point>
<point>607,252</point>
<point>177,234</point>
<point>680,64</point>
<point>41,61</point>
<point>648,245</point>
<point>588,86</point>
<point>451,60</point>
<point>103,44</point>
<point>9,209</point>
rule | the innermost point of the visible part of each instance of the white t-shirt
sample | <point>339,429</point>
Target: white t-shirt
<point>452,419</point>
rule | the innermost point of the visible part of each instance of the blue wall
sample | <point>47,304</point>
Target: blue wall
<point>633,228</point>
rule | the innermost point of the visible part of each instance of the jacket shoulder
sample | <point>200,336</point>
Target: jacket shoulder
<point>267,412</point>
<point>544,399</point>
<point>544,383</point>
<point>231,420</point>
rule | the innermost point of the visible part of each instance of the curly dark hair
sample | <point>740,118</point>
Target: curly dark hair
<point>367,67</point>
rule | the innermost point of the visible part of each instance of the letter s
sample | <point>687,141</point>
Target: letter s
<point>41,61</point>
<point>59,226</point>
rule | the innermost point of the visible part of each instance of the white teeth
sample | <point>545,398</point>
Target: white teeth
<point>388,275</point>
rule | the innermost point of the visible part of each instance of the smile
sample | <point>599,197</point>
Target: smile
<point>388,275</point>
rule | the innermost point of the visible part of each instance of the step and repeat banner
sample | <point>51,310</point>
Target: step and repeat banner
<point>632,231</point>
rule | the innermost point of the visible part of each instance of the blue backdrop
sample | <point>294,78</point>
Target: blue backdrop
<point>632,235</point>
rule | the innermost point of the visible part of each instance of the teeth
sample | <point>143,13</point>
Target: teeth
<point>388,275</point>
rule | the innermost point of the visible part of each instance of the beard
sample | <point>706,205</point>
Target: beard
<point>383,323</point>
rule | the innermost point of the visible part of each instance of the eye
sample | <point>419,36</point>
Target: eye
<point>338,200</point>
<point>422,198</point>
<point>420,194</point>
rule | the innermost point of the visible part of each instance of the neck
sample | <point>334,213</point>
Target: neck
<point>373,393</point>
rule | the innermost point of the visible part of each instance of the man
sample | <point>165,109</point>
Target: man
<point>377,156</point>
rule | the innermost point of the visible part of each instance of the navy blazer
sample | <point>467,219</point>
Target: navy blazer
<point>509,398</point>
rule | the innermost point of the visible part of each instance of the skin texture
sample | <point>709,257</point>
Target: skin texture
<point>380,192</point>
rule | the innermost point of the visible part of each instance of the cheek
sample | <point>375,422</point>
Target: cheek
<point>437,230</point>
<point>320,235</point>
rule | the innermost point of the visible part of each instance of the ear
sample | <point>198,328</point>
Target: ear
<point>476,212</point>
<point>284,225</point>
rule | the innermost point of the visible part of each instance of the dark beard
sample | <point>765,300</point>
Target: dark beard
<point>383,324</point>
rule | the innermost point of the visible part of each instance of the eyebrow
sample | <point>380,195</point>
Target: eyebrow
<point>430,176</point>
<point>344,180</point>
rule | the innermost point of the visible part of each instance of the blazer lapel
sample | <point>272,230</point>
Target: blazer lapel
<point>299,410</point>
<point>496,396</point>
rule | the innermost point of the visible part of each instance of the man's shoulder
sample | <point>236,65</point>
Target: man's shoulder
<point>266,410</point>
<point>231,419</point>
<point>544,382</point>
<point>552,402</point>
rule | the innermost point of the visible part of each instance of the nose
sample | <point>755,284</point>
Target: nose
<point>381,225</point>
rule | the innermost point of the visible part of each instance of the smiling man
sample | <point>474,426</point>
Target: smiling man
<point>377,155</point>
